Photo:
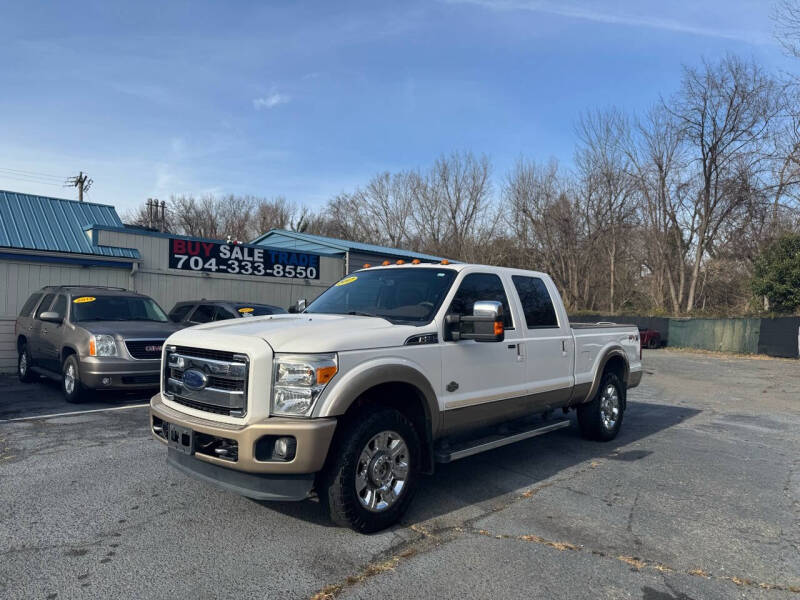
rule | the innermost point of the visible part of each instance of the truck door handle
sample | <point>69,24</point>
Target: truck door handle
<point>512,346</point>
<point>563,345</point>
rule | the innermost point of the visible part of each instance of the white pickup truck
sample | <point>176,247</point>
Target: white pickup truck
<point>391,370</point>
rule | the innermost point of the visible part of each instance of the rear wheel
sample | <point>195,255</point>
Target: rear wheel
<point>373,472</point>
<point>71,385</point>
<point>24,365</point>
<point>601,418</point>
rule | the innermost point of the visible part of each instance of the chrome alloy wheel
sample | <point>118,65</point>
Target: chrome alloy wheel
<point>382,471</point>
<point>23,363</point>
<point>69,379</point>
<point>609,407</point>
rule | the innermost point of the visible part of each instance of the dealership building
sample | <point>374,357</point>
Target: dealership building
<point>52,241</point>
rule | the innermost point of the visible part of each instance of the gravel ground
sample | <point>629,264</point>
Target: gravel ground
<point>699,497</point>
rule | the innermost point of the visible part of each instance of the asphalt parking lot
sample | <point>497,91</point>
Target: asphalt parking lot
<point>699,497</point>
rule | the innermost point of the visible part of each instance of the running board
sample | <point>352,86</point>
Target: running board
<point>490,442</point>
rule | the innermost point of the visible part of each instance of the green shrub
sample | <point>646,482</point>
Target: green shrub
<point>777,274</point>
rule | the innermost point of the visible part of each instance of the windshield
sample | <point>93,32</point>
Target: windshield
<point>411,295</point>
<point>256,310</point>
<point>116,308</point>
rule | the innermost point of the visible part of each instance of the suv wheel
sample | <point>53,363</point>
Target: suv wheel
<point>373,472</point>
<point>70,380</point>
<point>601,418</point>
<point>24,366</point>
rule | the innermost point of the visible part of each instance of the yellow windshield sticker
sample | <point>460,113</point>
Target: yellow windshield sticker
<point>246,309</point>
<point>83,299</point>
<point>347,280</point>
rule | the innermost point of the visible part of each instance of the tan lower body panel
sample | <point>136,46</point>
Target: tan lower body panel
<point>313,439</point>
<point>485,414</point>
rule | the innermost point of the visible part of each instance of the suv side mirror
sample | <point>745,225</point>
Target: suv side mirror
<point>485,324</point>
<point>299,306</point>
<point>51,317</point>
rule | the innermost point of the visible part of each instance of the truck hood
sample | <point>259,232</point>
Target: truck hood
<point>131,329</point>
<point>307,333</point>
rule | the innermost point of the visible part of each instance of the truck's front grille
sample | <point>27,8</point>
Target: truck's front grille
<point>222,355</point>
<point>209,380</point>
<point>144,349</point>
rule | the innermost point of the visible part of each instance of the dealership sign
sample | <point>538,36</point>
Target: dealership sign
<point>239,259</point>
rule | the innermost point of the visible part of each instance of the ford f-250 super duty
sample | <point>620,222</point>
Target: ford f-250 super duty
<point>391,370</point>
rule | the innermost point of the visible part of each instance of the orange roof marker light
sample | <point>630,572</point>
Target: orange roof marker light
<point>416,261</point>
<point>366,266</point>
<point>445,262</point>
<point>400,262</point>
<point>386,263</point>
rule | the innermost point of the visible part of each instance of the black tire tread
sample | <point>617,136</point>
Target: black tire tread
<point>81,393</point>
<point>29,376</point>
<point>589,419</point>
<point>335,489</point>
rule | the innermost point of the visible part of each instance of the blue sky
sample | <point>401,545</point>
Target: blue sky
<point>307,100</point>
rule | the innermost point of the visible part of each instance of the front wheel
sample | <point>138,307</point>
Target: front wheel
<point>601,418</point>
<point>71,385</point>
<point>372,473</point>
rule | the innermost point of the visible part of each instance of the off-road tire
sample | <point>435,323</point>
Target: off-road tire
<point>78,393</point>
<point>24,368</point>
<point>336,485</point>
<point>590,415</point>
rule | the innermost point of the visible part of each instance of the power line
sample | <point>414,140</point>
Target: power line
<point>19,178</point>
<point>32,173</point>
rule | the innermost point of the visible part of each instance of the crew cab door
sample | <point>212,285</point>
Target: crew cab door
<point>479,378</point>
<point>545,331</point>
<point>39,330</point>
<point>53,336</point>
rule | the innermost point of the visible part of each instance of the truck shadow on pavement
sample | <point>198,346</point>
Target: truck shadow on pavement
<point>472,486</point>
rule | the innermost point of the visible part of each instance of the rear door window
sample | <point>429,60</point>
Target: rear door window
<point>223,313</point>
<point>477,287</point>
<point>179,313</point>
<point>27,308</point>
<point>45,305</point>
<point>205,313</point>
<point>536,302</point>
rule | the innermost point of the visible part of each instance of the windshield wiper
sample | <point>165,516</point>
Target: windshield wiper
<point>359,313</point>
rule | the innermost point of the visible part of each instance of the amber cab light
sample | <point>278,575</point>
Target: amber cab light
<point>367,265</point>
<point>400,262</point>
<point>386,263</point>
<point>445,262</point>
<point>416,261</point>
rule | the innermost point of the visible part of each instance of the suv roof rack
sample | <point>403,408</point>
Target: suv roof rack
<point>98,287</point>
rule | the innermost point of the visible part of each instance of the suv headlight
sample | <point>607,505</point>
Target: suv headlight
<point>299,380</point>
<point>102,345</point>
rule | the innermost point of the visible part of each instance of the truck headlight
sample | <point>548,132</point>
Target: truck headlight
<point>299,380</point>
<point>102,345</point>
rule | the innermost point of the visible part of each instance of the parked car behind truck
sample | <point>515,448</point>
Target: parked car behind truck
<point>387,373</point>
<point>91,338</point>
<point>196,312</point>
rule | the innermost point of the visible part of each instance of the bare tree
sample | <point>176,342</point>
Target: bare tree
<point>724,111</point>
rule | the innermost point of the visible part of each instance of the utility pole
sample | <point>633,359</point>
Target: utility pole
<point>80,181</point>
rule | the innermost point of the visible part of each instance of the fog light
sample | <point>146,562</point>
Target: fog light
<point>285,447</point>
<point>106,380</point>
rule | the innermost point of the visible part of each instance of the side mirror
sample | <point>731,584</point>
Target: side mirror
<point>299,306</point>
<point>485,324</point>
<point>51,317</point>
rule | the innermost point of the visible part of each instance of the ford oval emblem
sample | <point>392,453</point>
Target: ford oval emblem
<point>194,379</point>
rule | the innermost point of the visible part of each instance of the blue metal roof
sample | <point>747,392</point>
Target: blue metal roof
<point>308,242</point>
<point>53,224</point>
